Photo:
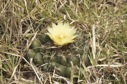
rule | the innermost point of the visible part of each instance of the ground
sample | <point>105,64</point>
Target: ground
<point>101,45</point>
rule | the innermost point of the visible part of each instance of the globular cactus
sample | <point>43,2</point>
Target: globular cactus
<point>38,59</point>
<point>31,53</point>
<point>36,45</point>
<point>60,62</point>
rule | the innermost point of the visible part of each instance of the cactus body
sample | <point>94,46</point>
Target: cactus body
<point>60,62</point>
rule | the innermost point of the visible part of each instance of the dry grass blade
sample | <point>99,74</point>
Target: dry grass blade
<point>72,72</point>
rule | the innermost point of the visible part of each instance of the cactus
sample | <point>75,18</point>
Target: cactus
<point>35,45</point>
<point>59,62</point>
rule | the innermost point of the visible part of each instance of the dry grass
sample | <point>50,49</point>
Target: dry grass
<point>102,27</point>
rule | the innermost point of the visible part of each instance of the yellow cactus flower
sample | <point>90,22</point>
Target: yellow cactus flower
<point>62,34</point>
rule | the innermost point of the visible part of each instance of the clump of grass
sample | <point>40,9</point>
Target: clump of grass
<point>101,27</point>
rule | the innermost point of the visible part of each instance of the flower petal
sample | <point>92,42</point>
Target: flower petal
<point>62,34</point>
